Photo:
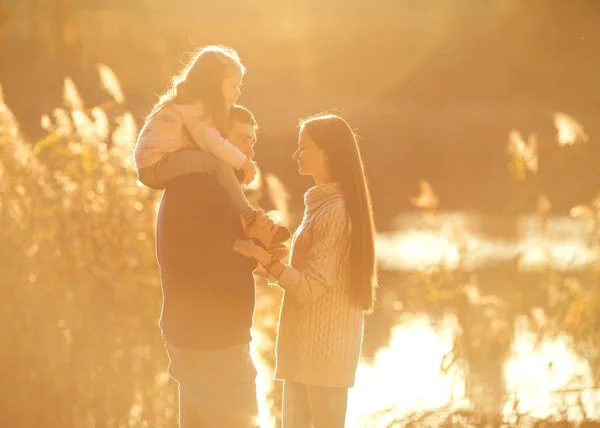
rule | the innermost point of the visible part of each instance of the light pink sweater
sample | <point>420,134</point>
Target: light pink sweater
<point>164,134</point>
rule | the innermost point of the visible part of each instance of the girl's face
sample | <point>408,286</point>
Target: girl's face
<point>231,85</point>
<point>311,159</point>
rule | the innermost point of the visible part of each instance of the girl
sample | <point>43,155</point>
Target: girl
<point>330,282</point>
<point>193,113</point>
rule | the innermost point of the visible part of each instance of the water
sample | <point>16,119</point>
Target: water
<point>419,242</point>
<point>548,377</point>
<point>541,378</point>
<point>406,376</point>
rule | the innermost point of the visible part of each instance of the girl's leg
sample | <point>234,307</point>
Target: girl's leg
<point>327,406</point>
<point>176,164</point>
<point>296,411</point>
<point>226,176</point>
<point>188,161</point>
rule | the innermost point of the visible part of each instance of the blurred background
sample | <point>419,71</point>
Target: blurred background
<point>478,123</point>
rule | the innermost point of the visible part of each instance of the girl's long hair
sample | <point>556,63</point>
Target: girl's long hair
<point>335,138</point>
<point>201,80</point>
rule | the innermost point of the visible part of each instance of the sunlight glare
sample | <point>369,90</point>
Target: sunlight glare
<point>564,244</point>
<point>534,374</point>
<point>263,379</point>
<point>569,131</point>
<point>406,375</point>
<point>417,249</point>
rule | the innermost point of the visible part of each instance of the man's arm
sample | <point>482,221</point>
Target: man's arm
<point>197,230</point>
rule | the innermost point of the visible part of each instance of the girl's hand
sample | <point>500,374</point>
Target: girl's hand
<point>249,169</point>
<point>246,248</point>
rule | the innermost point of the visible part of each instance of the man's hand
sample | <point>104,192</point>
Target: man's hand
<point>262,228</point>
<point>246,247</point>
<point>262,272</point>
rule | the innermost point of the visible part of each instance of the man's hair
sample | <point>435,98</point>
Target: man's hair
<point>242,114</point>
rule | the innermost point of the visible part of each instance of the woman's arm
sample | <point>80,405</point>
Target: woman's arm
<point>322,265</point>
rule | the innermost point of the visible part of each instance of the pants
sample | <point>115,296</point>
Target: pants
<point>187,161</point>
<point>306,406</point>
<point>217,389</point>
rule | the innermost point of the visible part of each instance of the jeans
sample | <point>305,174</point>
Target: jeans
<point>217,389</point>
<point>306,406</point>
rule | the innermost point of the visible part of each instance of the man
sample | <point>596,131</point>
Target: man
<point>208,292</point>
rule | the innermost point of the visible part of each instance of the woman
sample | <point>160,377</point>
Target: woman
<point>331,280</point>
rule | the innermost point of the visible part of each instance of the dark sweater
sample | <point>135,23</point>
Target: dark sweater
<point>208,289</point>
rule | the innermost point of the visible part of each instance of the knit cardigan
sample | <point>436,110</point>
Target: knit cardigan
<point>320,327</point>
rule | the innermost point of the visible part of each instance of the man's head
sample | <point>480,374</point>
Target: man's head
<point>241,130</point>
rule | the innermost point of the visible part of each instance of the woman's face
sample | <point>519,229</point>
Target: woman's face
<point>311,159</point>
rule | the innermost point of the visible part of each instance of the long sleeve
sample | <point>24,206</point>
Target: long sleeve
<point>322,266</point>
<point>219,237</point>
<point>210,140</point>
<point>208,289</point>
<point>165,133</point>
<point>200,236</point>
<point>159,136</point>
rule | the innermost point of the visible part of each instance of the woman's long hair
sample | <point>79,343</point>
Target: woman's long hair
<point>201,80</point>
<point>335,138</point>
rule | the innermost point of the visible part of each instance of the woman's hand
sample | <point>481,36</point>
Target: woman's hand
<point>248,248</point>
<point>249,169</point>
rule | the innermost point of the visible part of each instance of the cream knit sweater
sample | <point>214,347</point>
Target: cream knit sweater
<point>320,328</point>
